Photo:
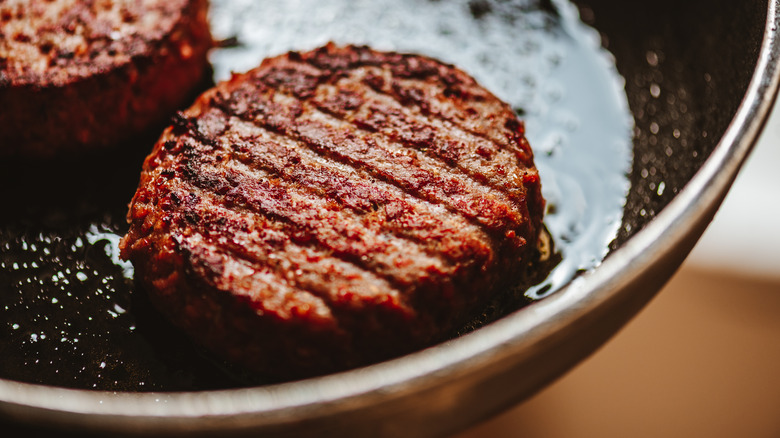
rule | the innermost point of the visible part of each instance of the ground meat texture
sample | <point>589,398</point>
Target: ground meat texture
<point>77,75</point>
<point>334,208</point>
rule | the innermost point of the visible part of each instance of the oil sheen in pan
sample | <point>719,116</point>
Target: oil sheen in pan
<point>70,314</point>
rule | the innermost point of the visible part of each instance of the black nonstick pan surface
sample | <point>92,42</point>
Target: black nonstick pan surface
<point>82,350</point>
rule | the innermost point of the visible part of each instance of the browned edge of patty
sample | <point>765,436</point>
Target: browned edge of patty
<point>270,211</point>
<point>77,106</point>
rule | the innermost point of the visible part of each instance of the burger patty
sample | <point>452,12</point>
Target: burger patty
<point>77,75</point>
<point>334,208</point>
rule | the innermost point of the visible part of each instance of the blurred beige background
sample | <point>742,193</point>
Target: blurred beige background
<point>703,359</point>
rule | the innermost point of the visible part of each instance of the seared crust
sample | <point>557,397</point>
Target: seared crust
<point>76,75</point>
<point>334,208</point>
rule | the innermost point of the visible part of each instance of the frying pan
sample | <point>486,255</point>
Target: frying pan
<point>719,59</point>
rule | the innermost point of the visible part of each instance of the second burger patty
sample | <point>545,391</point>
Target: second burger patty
<point>334,208</point>
<point>77,76</point>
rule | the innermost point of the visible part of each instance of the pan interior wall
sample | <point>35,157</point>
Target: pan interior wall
<point>687,67</point>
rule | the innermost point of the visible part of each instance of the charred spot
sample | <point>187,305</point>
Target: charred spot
<point>192,217</point>
<point>233,180</point>
<point>293,80</point>
<point>415,67</point>
<point>452,187</point>
<point>234,104</point>
<point>375,82</point>
<point>411,96</point>
<point>342,102</point>
<point>463,93</point>
<point>515,126</point>
<point>334,77</point>
<point>368,57</point>
<point>189,153</point>
<point>189,171</point>
<point>451,79</point>
<point>242,147</point>
<point>294,56</point>
<point>215,184</point>
<point>296,109</point>
<point>128,16</point>
<point>375,121</point>
<point>168,173</point>
<point>485,152</point>
<point>275,191</point>
<point>322,58</point>
<point>256,108</point>
<point>182,124</point>
<point>65,54</point>
<point>22,38</point>
<point>46,47</point>
<point>449,152</point>
<point>450,92</point>
<point>169,201</point>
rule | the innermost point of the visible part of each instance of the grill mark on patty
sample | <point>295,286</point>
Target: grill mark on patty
<point>439,232</point>
<point>436,229</point>
<point>310,221</point>
<point>426,177</point>
<point>261,288</point>
<point>417,81</point>
<point>330,212</point>
<point>481,159</point>
<point>407,169</point>
<point>357,97</point>
<point>265,245</point>
<point>472,116</point>
<point>420,241</point>
<point>363,95</point>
